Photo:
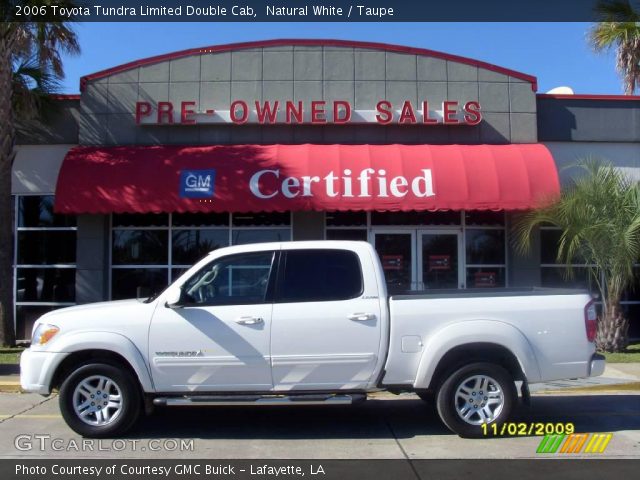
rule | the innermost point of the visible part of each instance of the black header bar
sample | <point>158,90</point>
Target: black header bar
<point>218,469</point>
<point>308,11</point>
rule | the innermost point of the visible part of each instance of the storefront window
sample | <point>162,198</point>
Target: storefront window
<point>481,235</point>
<point>42,246</point>
<point>140,247</point>
<point>140,220</point>
<point>45,285</point>
<point>346,219</point>
<point>137,282</point>
<point>632,295</point>
<point>242,237</point>
<point>554,274</point>
<point>482,218</point>
<point>632,311</point>
<point>485,247</point>
<point>200,220</point>
<point>486,277</point>
<point>346,225</point>
<point>149,251</point>
<point>260,227</point>
<point>261,219</point>
<point>36,211</point>
<point>549,238</point>
<point>189,246</point>
<point>449,217</point>
<point>44,260</point>
<point>558,277</point>
<point>347,234</point>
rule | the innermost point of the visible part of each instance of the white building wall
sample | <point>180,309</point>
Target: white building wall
<point>36,167</point>
<point>625,156</point>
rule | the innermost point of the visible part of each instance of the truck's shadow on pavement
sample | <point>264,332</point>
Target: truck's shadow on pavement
<point>588,413</point>
<point>405,418</point>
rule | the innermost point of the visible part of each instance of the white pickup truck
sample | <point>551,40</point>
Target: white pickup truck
<point>302,323</point>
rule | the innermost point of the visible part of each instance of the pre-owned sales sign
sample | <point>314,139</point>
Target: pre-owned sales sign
<point>315,112</point>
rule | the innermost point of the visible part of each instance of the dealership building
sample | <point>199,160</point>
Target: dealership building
<point>430,157</point>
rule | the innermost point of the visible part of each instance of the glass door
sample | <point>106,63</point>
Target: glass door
<point>439,262</point>
<point>396,249</point>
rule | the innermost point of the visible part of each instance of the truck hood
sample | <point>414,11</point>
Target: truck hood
<point>120,316</point>
<point>87,308</point>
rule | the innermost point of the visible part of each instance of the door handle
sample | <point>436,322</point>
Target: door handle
<point>361,317</point>
<point>249,320</point>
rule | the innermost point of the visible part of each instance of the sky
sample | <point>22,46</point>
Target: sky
<point>557,53</point>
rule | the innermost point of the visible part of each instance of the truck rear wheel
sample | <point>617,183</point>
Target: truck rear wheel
<point>100,400</point>
<point>476,394</point>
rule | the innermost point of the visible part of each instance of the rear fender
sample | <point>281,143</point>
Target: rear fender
<point>476,331</point>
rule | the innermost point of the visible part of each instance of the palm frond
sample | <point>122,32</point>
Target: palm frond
<point>32,88</point>
<point>619,28</point>
<point>616,11</point>
<point>599,218</point>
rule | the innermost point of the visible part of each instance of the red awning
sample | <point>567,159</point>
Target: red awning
<point>244,178</point>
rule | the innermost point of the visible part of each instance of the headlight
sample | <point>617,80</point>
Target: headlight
<point>43,333</point>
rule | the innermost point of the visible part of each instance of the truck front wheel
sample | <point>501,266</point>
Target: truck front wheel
<point>476,394</point>
<point>100,400</point>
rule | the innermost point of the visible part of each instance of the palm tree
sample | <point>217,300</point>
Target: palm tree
<point>599,217</point>
<point>30,65</point>
<point>620,28</point>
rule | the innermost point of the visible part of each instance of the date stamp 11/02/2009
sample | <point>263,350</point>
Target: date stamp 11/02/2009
<point>526,429</point>
<point>556,437</point>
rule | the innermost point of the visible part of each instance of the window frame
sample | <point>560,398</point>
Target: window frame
<point>16,266</point>
<point>282,268</point>
<point>552,266</point>
<point>369,228</point>
<point>170,266</point>
<point>543,266</point>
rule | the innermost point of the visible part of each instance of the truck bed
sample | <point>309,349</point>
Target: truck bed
<point>544,327</point>
<point>486,292</point>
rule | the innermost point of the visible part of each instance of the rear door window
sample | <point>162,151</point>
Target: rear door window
<point>319,276</point>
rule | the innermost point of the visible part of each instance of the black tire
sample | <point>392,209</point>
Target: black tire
<point>426,396</point>
<point>122,418</point>
<point>498,412</point>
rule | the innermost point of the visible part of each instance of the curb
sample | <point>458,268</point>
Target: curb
<point>10,387</point>
<point>616,387</point>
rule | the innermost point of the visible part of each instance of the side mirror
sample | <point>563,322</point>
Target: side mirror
<point>174,295</point>
<point>142,293</point>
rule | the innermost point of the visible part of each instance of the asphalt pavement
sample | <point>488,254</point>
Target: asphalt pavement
<point>384,427</point>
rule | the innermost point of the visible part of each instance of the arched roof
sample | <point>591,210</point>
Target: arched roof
<point>307,42</point>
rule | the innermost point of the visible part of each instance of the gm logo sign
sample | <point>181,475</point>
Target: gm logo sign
<point>197,183</point>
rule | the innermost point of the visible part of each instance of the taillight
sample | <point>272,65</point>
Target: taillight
<point>591,320</point>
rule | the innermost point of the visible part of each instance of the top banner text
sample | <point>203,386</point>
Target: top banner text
<point>305,11</point>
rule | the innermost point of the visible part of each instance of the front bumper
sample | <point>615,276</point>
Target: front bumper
<point>596,368</point>
<point>37,369</point>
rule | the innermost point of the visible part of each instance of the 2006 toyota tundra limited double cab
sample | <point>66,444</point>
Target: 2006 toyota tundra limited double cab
<point>302,323</point>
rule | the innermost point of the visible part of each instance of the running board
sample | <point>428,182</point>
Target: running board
<point>209,400</point>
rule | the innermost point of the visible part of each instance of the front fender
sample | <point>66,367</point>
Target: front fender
<point>110,341</point>
<point>475,331</point>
